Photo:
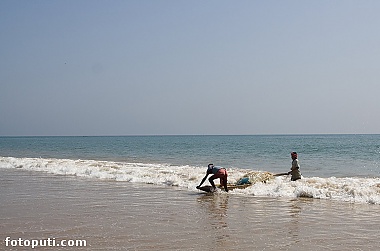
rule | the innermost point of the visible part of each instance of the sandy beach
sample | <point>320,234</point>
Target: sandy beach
<point>111,215</point>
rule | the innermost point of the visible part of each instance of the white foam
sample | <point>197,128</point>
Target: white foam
<point>356,190</point>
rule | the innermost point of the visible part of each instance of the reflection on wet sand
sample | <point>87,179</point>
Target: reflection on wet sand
<point>294,224</point>
<point>217,230</point>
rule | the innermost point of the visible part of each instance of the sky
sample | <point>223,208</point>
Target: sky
<point>176,67</point>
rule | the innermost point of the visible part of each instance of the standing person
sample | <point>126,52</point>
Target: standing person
<point>218,172</point>
<point>295,169</point>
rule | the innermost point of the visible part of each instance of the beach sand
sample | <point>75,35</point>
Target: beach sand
<point>112,215</point>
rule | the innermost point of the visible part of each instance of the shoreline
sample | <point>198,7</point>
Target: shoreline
<point>126,216</point>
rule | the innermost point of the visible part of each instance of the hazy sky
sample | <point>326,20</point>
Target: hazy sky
<point>189,67</point>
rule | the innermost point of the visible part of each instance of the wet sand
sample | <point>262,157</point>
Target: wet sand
<point>113,215</point>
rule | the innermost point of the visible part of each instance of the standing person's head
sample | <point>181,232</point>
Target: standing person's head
<point>294,155</point>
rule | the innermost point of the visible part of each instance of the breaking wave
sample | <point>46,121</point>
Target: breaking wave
<point>353,189</point>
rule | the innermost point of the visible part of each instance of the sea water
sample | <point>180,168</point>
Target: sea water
<point>138,192</point>
<point>334,167</point>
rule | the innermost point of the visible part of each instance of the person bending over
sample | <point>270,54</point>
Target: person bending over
<point>217,172</point>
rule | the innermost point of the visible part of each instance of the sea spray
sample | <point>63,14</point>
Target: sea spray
<point>352,189</point>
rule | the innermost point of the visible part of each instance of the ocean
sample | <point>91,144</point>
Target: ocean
<point>139,192</point>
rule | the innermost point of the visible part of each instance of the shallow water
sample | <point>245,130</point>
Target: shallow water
<point>356,189</point>
<point>319,155</point>
<point>113,215</point>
